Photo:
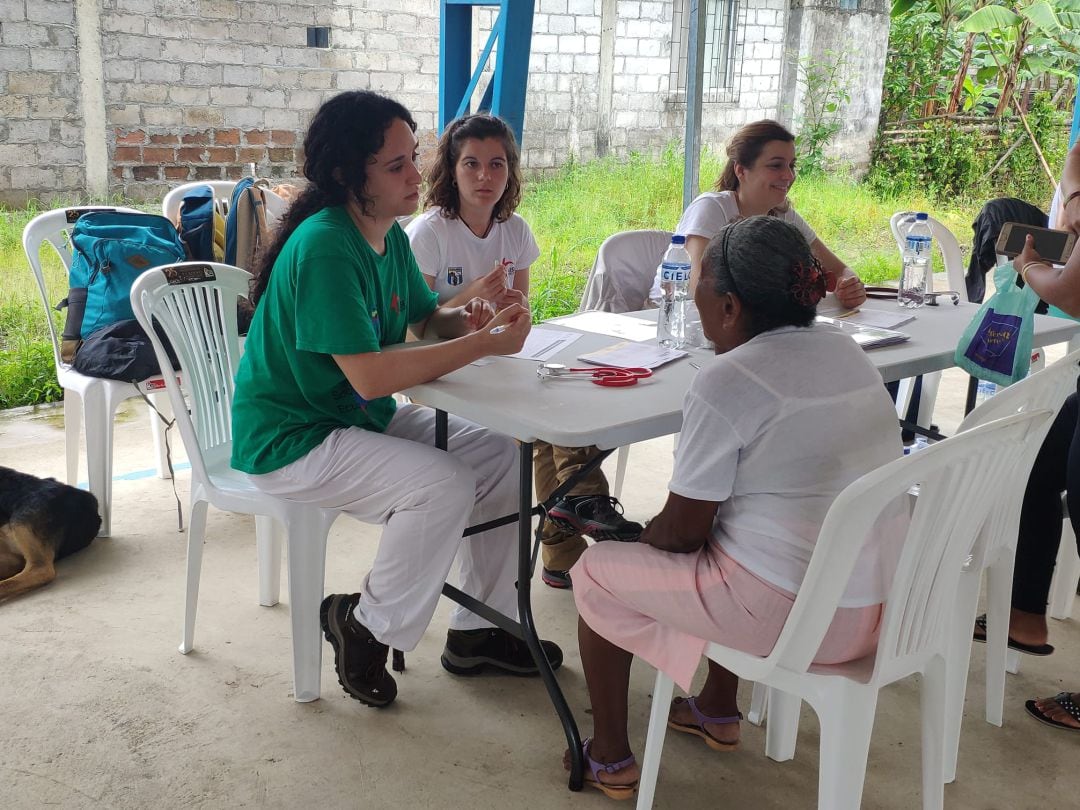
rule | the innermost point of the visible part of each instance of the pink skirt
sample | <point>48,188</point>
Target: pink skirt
<point>666,607</point>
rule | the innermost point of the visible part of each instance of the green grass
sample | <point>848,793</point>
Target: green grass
<point>571,213</point>
<point>27,373</point>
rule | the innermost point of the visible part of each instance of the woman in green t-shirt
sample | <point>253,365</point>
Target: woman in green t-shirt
<point>313,416</point>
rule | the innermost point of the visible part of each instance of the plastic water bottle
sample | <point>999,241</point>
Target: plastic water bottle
<point>920,443</point>
<point>917,275</point>
<point>984,391</point>
<point>674,290</point>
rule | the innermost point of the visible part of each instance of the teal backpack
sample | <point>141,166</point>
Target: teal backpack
<point>110,250</point>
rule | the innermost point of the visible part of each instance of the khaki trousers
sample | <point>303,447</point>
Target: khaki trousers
<point>551,467</point>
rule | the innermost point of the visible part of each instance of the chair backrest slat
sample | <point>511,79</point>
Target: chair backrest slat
<point>199,320</point>
<point>1045,389</point>
<point>976,465</point>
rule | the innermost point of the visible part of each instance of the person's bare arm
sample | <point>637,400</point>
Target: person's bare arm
<point>695,246</point>
<point>521,281</point>
<point>379,374</point>
<point>1070,184</point>
<point>1059,286</point>
<point>683,525</point>
<point>848,287</point>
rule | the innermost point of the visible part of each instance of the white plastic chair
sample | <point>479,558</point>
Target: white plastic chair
<point>619,281</point>
<point>970,468</point>
<point>953,261</point>
<point>199,320</point>
<point>1066,574</point>
<point>995,550</point>
<point>92,400</point>
<point>170,204</point>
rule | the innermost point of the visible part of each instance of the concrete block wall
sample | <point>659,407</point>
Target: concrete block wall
<point>191,91</point>
<point>820,30</point>
<point>41,152</point>
<point>647,112</point>
<point>198,91</point>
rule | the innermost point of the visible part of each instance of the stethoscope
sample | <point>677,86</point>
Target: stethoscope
<point>598,375</point>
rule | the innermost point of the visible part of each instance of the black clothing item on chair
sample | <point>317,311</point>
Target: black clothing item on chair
<point>987,227</point>
<point>121,351</point>
<point>1056,470</point>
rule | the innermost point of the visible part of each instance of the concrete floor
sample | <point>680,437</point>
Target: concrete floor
<point>102,711</point>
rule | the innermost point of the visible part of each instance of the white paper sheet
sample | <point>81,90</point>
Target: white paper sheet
<point>543,343</point>
<point>882,319</point>
<point>632,355</point>
<point>610,323</point>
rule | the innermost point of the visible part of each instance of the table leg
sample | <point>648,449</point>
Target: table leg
<point>573,738</point>
<point>525,618</point>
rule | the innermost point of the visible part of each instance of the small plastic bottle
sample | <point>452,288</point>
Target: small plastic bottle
<point>920,443</point>
<point>984,391</point>
<point>917,275</point>
<point>675,291</point>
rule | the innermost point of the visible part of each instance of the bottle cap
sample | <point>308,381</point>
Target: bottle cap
<point>678,239</point>
<point>921,216</point>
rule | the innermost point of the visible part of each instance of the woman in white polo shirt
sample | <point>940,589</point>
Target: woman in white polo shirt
<point>470,243</point>
<point>760,171</point>
<point>787,415</point>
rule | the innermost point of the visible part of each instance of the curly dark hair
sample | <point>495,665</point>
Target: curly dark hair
<point>346,131</point>
<point>746,146</point>
<point>442,191</point>
<point>768,264</point>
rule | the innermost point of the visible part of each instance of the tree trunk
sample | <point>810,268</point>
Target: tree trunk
<point>933,104</point>
<point>961,74</point>
<point>1011,70</point>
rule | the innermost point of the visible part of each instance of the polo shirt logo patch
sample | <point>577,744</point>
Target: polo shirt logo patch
<point>454,276</point>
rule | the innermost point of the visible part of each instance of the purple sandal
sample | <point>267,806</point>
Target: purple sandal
<point>699,729</point>
<point>611,791</point>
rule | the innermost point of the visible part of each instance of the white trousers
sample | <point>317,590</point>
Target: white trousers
<point>424,498</point>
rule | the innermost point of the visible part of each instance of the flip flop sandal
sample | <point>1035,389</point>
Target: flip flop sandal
<point>1038,650</point>
<point>699,729</point>
<point>1062,699</point>
<point>611,791</point>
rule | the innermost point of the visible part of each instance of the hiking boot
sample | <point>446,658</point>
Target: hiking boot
<point>556,579</point>
<point>360,660</point>
<point>596,516</point>
<point>468,652</point>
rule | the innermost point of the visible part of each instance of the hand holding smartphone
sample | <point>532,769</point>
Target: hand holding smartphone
<point>1054,246</point>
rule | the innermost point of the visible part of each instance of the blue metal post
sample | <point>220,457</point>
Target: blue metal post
<point>455,46</point>
<point>505,94</point>
<point>512,67</point>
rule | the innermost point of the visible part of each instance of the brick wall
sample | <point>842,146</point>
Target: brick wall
<point>212,154</point>
<point>197,90</point>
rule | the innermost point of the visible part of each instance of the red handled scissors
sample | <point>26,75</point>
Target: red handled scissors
<point>607,376</point>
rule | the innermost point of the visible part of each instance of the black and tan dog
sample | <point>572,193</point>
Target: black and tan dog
<point>41,520</point>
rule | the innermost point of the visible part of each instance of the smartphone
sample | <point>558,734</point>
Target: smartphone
<point>1054,246</point>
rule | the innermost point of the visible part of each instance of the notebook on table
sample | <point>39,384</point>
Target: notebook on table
<point>869,337</point>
